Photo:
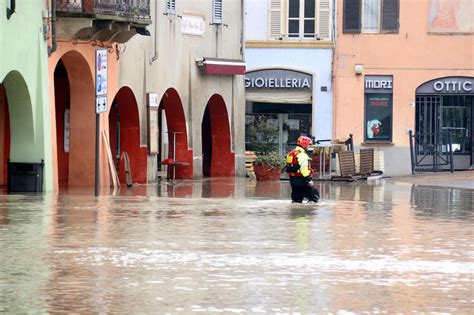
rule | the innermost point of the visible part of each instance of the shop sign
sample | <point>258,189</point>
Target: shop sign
<point>193,25</point>
<point>378,84</point>
<point>278,79</point>
<point>448,85</point>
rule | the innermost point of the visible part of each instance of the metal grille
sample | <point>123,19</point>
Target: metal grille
<point>73,6</point>
<point>125,8</point>
<point>428,122</point>
<point>128,8</point>
<point>430,146</point>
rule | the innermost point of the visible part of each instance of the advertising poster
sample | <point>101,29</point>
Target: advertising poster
<point>378,117</point>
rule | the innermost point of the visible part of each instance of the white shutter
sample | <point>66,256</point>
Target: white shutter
<point>170,7</point>
<point>324,19</point>
<point>217,12</point>
<point>274,19</point>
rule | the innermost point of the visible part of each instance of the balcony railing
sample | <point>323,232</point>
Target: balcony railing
<point>122,8</point>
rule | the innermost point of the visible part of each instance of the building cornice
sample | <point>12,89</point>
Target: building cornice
<point>287,44</point>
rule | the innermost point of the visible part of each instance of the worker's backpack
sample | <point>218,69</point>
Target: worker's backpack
<point>292,165</point>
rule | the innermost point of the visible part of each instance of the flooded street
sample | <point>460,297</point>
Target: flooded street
<point>380,247</point>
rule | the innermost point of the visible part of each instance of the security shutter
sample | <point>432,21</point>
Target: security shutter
<point>324,19</point>
<point>274,19</point>
<point>390,16</point>
<point>351,19</point>
<point>170,7</point>
<point>217,12</point>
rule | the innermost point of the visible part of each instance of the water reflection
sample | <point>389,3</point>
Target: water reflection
<point>366,247</point>
<point>444,202</point>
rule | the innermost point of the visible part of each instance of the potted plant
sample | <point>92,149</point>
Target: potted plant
<point>262,134</point>
<point>268,166</point>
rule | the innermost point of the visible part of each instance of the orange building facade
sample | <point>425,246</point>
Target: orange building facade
<point>402,67</point>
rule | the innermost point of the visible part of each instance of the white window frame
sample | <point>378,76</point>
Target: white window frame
<point>378,21</point>
<point>301,20</point>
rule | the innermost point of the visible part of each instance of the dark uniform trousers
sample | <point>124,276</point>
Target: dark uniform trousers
<point>301,189</point>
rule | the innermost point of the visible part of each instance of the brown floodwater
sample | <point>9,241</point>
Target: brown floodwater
<point>237,246</point>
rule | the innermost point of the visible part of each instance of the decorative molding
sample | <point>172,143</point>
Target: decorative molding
<point>288,44</point>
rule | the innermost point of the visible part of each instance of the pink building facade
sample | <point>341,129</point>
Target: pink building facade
<point>406,67</point>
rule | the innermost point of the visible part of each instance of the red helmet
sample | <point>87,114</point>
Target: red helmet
<point>304,142</point>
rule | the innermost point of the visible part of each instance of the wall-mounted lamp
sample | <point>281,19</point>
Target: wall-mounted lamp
<point>412,104</point>
<point>11,10</point>
<point>358,69</point>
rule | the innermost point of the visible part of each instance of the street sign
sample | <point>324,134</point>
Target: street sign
<point>101,71</point>
<point>100,104</point>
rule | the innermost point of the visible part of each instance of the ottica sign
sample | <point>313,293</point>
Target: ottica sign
<point>278,79</point>
<point>448,85</point>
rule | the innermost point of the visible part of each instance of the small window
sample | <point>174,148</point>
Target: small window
<point>217,12</point>
<point>371,16</point>
<point>301,18</point>
<point>170,7</point>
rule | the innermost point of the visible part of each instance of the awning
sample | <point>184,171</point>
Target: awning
<point>222,66</point>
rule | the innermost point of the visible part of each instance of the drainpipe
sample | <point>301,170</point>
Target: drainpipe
<point>53,28</point>
<point>155,47</point>
<point>11,10</point>
<point>242,30</point>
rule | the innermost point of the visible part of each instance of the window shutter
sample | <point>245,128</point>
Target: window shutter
<point>324,19</point>
<point>351,19</point>
<point>274,19</point>
<point>170,6</point>
<point>217,12</point>
<point>390,16</point>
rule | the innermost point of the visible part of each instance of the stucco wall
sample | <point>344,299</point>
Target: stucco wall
<point>312,60</point>
<point>176,68</point>
<point>413,56</point>
<point>23,52</point>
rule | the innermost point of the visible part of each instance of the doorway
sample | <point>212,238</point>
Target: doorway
<point>444,115</point>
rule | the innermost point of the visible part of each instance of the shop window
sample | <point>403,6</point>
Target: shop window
<point>378,117</point>
<point>378,108</point>
<point>371,16</point>
<point>305,19</point>
<point>439,114</point>
<point>456,117</point>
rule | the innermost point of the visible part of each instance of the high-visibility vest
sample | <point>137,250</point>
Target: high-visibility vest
<point>297,163</point>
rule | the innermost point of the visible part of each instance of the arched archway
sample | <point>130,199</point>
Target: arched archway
<point>218,160</point>
<point>17,136</point>
<point>180,157</point>
<point>124,133</point>
<point>4,136</point>
<point>75,121</point>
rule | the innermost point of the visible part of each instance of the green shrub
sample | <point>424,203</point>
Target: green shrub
<point>271,160</point>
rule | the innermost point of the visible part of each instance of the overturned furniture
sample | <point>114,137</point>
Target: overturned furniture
<point>347,166</point>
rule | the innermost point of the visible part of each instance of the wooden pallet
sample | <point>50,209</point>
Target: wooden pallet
<point>250,157</point>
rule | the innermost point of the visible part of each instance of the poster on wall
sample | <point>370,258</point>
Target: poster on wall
<point>378,117</point>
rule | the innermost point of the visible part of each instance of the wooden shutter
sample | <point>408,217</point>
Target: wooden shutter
<point>274,19</point>
<point>324,19</point>
<point>170,6</point>
<point>217,12</point>
<point>351,19</point>
<point>390,16</point>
